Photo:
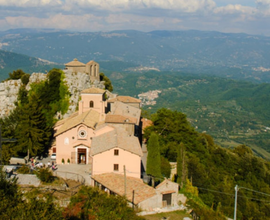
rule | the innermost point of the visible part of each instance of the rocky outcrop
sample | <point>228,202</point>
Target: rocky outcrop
<point>76,82</point>
<point>8,95</point>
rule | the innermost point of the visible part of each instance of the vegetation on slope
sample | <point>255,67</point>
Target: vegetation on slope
<point>31,123</point>
<point>233,112</point>
<point>10,61</point>
<point>213,169</point>
<point>88,203</point>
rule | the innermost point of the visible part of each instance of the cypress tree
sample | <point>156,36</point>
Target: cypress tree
<point>153,158</point>
<point>181,165</point>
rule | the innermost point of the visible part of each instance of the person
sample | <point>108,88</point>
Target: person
<point>49,164</point>
<point>31,168</point>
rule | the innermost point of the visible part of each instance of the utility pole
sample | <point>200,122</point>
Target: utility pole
<point>125,177</point>
<point>235,202</point>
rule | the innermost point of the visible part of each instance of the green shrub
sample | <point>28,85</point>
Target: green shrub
<point>45,175</point>
<point>24,169</point>
<point>25,79</point>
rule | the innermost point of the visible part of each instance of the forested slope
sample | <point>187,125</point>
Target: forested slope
<point>234,112</point>
<point>213,169</point>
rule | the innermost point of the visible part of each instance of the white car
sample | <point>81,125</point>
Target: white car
<point>53,156</point>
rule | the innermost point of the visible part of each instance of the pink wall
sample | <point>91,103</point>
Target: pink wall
<point>99,104</point>
<point>65,144</point>
<point>103,163</point>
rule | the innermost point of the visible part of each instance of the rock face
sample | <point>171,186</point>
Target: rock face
<point>8,95</point>
<point>76,82</point>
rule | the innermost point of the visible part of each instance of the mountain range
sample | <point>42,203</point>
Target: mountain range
<point>238,56</point>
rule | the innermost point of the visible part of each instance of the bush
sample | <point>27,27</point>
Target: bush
<point>24,169</point>
<point>25,79</point>
<point>165,167</point>
<point>45,175</point>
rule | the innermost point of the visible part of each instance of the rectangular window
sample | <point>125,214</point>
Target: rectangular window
<point>116,152</point>
<point>116,167</point>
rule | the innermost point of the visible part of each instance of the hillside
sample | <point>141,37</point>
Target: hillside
<point>11,61</point>
<point>238,56</point>
<point>234,112</point>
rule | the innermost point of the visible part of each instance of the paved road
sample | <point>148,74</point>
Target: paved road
<point>66,171</point>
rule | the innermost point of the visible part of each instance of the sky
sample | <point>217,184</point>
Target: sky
<point>234,16</point>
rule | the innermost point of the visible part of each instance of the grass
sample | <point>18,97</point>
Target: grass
<point>169,215</point>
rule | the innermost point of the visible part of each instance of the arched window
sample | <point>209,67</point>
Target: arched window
<point>95,70</point>
<point>91,104</point>
<point>91,70</point>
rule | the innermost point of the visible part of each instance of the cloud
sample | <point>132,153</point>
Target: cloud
<point>146,15</point>
<point>235,9</point>
<point>115,5</point>
<point>30,3</point>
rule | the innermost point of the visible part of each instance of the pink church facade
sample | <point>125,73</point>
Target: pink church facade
<point>87,137</point>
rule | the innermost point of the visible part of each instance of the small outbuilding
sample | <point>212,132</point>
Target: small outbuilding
<point>137,192</point>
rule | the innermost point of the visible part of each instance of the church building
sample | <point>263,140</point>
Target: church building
<point>105,134</point>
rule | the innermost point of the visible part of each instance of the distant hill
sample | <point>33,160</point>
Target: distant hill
<point>10,61</point>
<point>239,56</point>
<point>234,112</point>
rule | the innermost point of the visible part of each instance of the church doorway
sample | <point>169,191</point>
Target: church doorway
<point>81,153</point>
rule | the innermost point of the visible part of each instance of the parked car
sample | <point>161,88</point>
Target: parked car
<point>53,156</point>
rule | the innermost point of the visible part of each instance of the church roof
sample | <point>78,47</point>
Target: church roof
<point>75,62</point>
<point>115,182</point>
<point>93,90</point>
<point>125,99</point>
<point>120,108</point>
<point>120,119</point>
<point>91,61</point>
<point>117,138</point>
<point>60,122</point>
<point>89,119</point>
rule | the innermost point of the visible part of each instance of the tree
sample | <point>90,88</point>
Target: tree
<point>181,165</point>
<point>33,205</point>
<point>25,79</point>
<point>16,74</point>
<point>91,203</point>
<point>165,167</point>
<point>108,83</point>
<point>153,158</point>
<point>32,132</point>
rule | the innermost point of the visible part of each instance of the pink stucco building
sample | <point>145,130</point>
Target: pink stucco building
<point>108,137</point>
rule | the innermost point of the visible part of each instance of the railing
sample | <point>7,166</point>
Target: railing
<point>71,176</point>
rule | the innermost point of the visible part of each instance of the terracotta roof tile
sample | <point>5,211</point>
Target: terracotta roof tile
<point>60,122</point>
<point>120,108</point>
<point>91,61</point>
<point>93,90</point>
<point>117,138</point>
<point>120,119</point>
<point>89,118</point>
<point>115,183</point>
<point>146,123</point>
<point>125,99</point>
<point>75,62</point>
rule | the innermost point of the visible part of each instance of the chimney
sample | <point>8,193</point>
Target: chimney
<point>81,107</point>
